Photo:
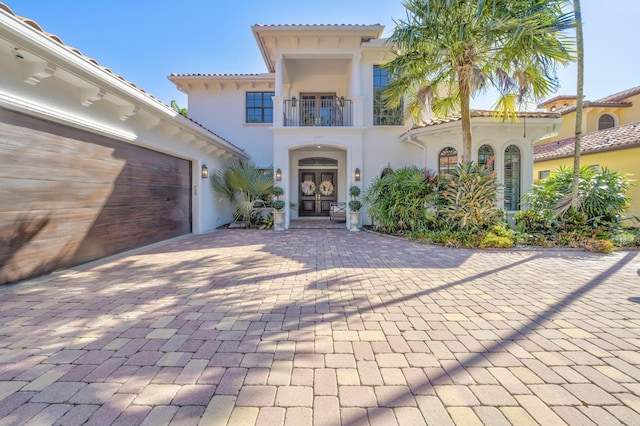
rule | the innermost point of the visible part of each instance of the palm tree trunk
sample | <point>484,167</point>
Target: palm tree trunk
<point>465,111</point>
<point>575,184</point>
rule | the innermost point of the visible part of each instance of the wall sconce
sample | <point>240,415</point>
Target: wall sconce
<point>294,102</point>
<point>278,175</point>
<point>357,174</point>
<point>341,101</point>
<point>205,171</point>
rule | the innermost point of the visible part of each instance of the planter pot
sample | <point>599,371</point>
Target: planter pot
<point>355,221</point>
<point>278,220</point>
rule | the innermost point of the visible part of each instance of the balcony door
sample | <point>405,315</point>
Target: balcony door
<point>319,109</point>
<point>317,191</point>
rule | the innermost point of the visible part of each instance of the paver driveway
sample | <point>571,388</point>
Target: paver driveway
<point>325,327</point>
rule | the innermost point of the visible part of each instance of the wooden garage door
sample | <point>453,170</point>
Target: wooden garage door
<point>68,196</point>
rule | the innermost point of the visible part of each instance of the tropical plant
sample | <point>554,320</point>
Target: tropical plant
<point>244,185</point>
<point>449,50</point>
<point>471,196</point>
<point>603,196</point>
<point>404,200</point>
<point>176,107</point>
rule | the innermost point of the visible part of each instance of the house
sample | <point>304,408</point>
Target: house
<point>610,137</point>
<point>90,164</point>
<point>317,117</point>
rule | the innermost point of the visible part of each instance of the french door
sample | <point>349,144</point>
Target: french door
<point>319,109</point>
<point>317,190</point>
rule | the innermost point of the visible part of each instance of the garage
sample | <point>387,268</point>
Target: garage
<point>69,196</point>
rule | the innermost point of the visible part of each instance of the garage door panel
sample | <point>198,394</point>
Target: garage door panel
<point>88,197</point>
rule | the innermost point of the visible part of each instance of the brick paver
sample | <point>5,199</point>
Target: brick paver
<point>320,327</point>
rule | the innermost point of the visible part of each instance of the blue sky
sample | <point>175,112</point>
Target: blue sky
<point>145,41</point>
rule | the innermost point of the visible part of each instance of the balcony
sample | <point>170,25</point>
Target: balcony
<point>318,111</point>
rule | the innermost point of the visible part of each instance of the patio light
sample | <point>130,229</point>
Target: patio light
<point>205,171</point>
<point>357,174</point>
<point>278,175</point>
<point>294,102</point>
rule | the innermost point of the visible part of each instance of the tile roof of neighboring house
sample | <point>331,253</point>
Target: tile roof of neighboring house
<point>58,40</point>
<point>603,140</point>
<point>615,100</point>
<point>620,96</point>
<point>486,113</point>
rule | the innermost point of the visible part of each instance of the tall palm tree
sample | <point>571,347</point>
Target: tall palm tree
<point>575,184</point>
<point>449,50</point>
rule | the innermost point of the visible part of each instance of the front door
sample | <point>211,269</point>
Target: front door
<point>318,188</point>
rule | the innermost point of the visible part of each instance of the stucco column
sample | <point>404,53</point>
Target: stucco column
<point>354,82</point>
<point>278,75</point>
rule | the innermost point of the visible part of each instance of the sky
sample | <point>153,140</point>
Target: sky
<point>147,40</point>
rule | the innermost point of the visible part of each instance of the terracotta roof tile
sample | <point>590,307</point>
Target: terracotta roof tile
<point>174,74</point>
<point>621,96</point>
<point>315,25</point>
<point>58,40</point>
<point>486,113</point>
<point>603,140</point>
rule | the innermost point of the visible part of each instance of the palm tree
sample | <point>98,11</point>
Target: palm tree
<point>449,50</point>
<point>575,185</point>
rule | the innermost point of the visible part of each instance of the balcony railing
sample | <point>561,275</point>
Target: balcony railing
<point>330,112</point>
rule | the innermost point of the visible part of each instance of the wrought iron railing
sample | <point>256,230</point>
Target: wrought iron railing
<point>331,112</point>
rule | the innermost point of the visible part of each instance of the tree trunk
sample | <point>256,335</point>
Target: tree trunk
<point>578,135</point>
<point>465,111</point>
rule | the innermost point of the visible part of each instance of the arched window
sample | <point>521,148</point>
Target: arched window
<point>485,156</point>
<point>386,171</point>
<point>606,121</point>
<point>512,178</point>
<point>447,160</point>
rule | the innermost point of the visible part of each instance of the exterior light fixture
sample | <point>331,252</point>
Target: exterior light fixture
<point>357,174</point>
<point>341,101</point>
<point>205,171</point>
<point>278,175</point>
<point>294,102</point>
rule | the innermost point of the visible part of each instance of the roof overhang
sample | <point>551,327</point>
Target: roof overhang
<point>267,36</point>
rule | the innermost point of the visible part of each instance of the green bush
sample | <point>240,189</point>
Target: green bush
<point>355,205</point>
<point>405,200</point>
<point>354,191</point>
<point>471,197</point>
<point>277,204</point>
<point>599,246</point>
<point>277,191</point>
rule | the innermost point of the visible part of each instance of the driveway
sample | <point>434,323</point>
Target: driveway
<point>325,327</point>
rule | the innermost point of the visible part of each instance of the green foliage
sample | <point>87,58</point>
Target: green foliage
<point>629,237</point>
<point>277,204</point>
<point>404,200</point>
<point>354,191</point>
<point>599,246</point>
<point>277,191</point>
<point>603,197</point>
<point>244,185</point>
<point>176,107</point>
<point>355,205</point>
<point>471,196</point>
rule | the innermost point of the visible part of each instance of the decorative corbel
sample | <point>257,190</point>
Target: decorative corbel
<point>127,111</point>
<point>91,95</point>
<point>35,72</point>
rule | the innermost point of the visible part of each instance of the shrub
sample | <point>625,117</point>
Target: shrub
<point>405,200</point>
<point>277,191</point>
<point>471,196</point>
<point>354,191</point>
<point>599,246</point>
<point>498,241</point>
<point>277,204</point>
<point>355,205</point>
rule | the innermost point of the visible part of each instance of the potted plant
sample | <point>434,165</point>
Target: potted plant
<point>354,208</point>
<point>278,206</point>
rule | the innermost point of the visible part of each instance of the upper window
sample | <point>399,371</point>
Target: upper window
<point>383,116</point>
<point>606,121</point>
<point>447,160</point>
<point>259,107</point>
<point>543,174</point>
<point>485,156</point>
<point>387,171</point>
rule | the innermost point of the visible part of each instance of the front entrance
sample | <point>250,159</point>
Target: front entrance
<point>318,189</point>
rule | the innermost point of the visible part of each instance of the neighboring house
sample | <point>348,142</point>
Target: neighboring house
<point>91,165</point>
<point>317,116</point>
<point>610,138</point>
